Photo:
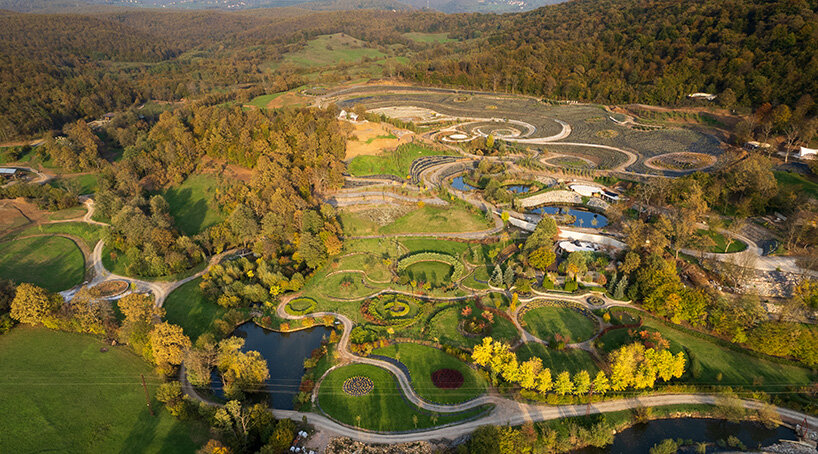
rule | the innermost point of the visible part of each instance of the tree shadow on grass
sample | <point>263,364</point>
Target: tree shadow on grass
<point>189,216</point>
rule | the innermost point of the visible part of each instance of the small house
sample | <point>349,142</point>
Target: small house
<point>807,153</point>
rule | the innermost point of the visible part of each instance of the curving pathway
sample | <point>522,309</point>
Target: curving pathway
<point>505,412</point>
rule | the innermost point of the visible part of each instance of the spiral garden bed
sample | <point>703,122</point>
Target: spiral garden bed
<point>358,386</point>
<point>447,378</point>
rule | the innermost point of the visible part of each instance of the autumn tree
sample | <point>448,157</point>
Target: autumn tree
<point>240,371</point>
<point>168,346</point>
<point>34,305</point>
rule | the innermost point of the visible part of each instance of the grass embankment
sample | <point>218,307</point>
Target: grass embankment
<point>68,213</point>
<point>89,233</point>
<point>798,183</point>
<point>714,364</point>
<point>546,322</point>
<point>395,162</point>
<point>192,204</point>
<point>189,308</point>
<point>53,263</point>
<point>422,361</point>
<point>383,409</point>
<point>720,242</point>
<point>62,394</point>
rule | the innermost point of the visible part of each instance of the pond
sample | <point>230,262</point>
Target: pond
<point>285,354</point>
<point>461,185</point>
<point>642,437</point>
<point>583,218</point>
<point>518,188</point>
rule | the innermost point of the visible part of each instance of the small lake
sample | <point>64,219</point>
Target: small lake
<point>517,188</point>
<point>642,437</point>
<point>285,354</point>
<point>583,218</point>
<point>461,185</point>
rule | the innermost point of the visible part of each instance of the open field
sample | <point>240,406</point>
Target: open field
<point>395,162</point>
<point>798,183</point>
<point>429,37</point>
<point>187,307</point>
<point>54,263</point>
<point>431,219</point>
<point>736,368</point>
<point>192,205</point>
<point>422,361</point>
<point>546,322</point>
<point>330,50</point>
<point>79,184</point>
<point>383,409</point>
<point>62,394</point>
<point>572,360</point>
<point>372,139</point>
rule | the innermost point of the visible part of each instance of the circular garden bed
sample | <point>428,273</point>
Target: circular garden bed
<point>112,288</point>
<point>300,306</point>
<point>447,378</point>
<point>358,386</point>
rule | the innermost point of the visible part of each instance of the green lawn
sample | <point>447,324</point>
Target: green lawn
<point>54,263</point>
<point>383,409</point>
<point>396,162</point>
<point>422,361</point>
<point>454,248</point>
<point>329,50</point>
<point>90,233</point>
<point>429,37</point>
<point>478,279</point>
<point>798,183</point>
<point>443,328</point>
<point>187,307</point>
<point>545,322</point>
<point>34,158</point>
<point>192,205</point>
<point>262,101</point>
<point>60,393</point>
<point>436,273</point>
<point>572,360</point>
<point>737,368</point>
<point>82,184</point>
<point>433,219</point>
<point>721,242</point>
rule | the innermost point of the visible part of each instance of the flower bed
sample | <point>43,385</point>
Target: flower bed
<point>447,378</point>
<point>358,386</point>
<point>108,289</point>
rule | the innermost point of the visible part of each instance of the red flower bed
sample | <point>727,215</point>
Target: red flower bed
<point>447,378</point>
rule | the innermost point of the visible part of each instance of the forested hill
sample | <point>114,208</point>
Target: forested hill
<point>653,51</point>
<point>57,68</point>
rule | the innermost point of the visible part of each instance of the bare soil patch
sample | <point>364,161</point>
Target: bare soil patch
<point>374,138</point>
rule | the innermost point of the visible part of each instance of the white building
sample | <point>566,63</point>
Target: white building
<point>807,153</point>
<point>753,145</point>
<point>577,246</point>
<point>705,96</point>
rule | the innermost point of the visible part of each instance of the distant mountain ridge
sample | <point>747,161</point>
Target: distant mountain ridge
<point>446,6</point>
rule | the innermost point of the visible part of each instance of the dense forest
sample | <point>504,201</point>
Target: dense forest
<point>58,68</point>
